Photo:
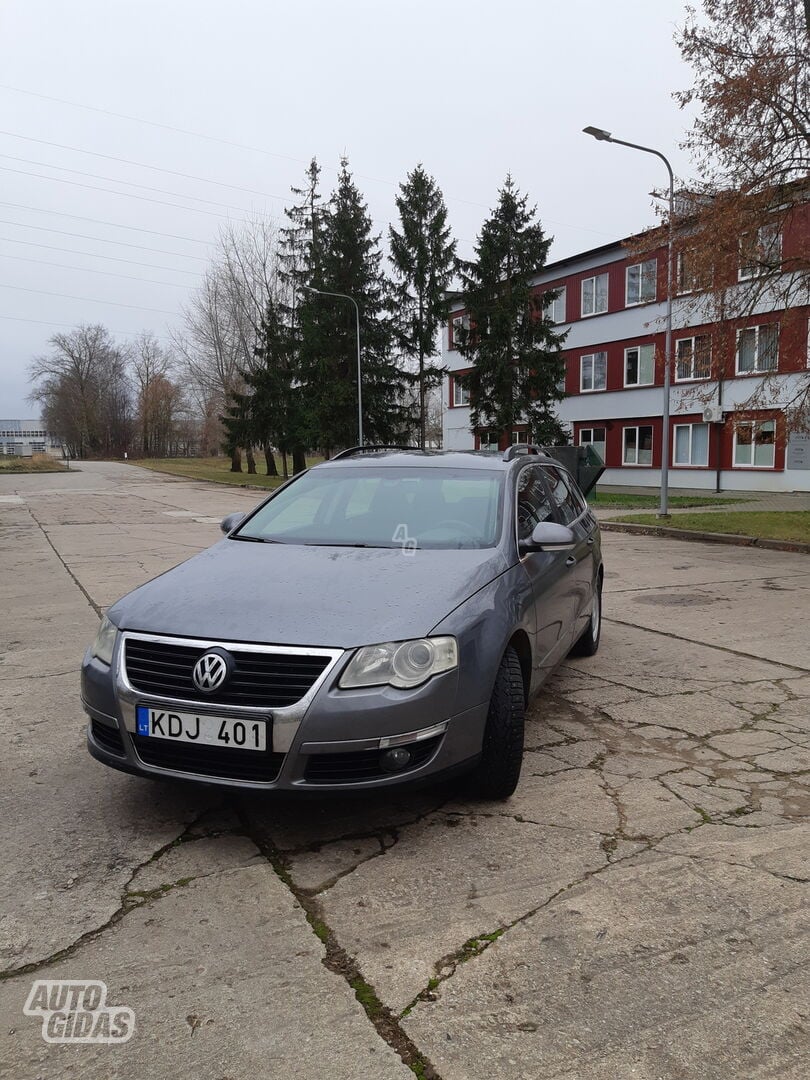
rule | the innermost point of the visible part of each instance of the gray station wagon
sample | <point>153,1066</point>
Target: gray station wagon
<point>383,617</point>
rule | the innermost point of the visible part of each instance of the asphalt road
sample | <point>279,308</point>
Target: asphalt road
<point>638,909</point>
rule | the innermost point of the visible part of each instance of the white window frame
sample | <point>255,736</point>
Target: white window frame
<point>682,265</point>
<point>594,442</point>
<point>756,370</point>
<point>768,245</point>
<point>593,389</point>
<point>638,348</point>
<point>637,464</point>
<point>692,377</point>
<point>459,390</point>
<point>553,307</point>
<point>754,425</point>
<point>690,464</point>
<point>585,281</point>
<point>464,320</point>
<point>641,276</point>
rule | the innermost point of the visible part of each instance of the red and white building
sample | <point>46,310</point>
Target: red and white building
<point>612,303</point>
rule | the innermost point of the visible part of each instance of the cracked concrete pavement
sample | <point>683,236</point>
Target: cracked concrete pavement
<point>638,909</point>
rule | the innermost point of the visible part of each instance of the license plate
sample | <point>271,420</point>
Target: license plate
<point>202,730</point>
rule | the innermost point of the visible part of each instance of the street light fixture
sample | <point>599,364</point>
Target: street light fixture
<point>345,296</point>
<point>605,136</point>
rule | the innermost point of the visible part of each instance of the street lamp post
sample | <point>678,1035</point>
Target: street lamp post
<point>605,136</point>
<point>345,296</point>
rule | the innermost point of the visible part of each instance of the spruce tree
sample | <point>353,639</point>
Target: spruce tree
<point>512,347</point>
<point>300,315</point>
<point>262,414</point>
<point>423,258</point>
<point>350,263</point>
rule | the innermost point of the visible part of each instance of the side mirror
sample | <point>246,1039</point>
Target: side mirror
<point>549,536</point>
<point>229,523</point>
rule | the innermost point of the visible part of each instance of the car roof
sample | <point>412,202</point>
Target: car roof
<point>443,459</point>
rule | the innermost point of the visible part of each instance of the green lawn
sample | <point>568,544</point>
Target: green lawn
<point>615,501</point>
<point>217,469</point>
<point>765,524</point>
<point>39,464</point>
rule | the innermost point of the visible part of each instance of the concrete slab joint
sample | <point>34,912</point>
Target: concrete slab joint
<point>638,908</point>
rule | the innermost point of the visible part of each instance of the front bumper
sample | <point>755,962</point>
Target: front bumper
<point>329,741</point>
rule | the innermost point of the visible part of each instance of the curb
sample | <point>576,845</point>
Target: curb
<point>705,537</point>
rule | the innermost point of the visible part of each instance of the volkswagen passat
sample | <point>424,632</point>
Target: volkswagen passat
<point>382,617</point>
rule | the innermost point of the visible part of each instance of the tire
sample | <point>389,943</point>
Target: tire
<point>497,774</point>
<point>588,643</point>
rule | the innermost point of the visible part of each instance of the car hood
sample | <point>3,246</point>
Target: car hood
<point>288,594</point>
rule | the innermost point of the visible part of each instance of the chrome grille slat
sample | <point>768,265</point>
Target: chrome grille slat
<point>262,680</point>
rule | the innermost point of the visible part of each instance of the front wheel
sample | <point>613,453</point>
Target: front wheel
<point>496,775</point>
<point>589,641</point>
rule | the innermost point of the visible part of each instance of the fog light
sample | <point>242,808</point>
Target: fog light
<point>396,759</point>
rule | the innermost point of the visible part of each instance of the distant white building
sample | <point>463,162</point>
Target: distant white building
<point>23,438</point>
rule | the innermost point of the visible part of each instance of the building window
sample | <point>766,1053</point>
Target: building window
<point>459,330</point>
<point>691,444</point>
<point>520,438</point>
<point>693,357</point>
<point>638,445</point>
<point>755,444</point>
<point>760,252</point>
<point>461,393</point>
<point>758,349</point>
<point>555,309</point>
<point>595,295</point>
<point>490,441</point>
<point>593,372</point>
<point>640,282</point>
<point>595,437</point>
<point>639,365</point>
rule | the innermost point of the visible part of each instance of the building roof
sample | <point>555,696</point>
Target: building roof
<point>19,426</point>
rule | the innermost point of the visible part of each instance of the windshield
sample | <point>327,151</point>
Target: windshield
<point>408,508</point>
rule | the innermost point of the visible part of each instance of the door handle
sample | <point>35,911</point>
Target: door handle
<point>589,540</point>
<point>571,560</point>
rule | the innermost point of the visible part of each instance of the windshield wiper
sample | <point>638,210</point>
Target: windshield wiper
<point>328,543</point>
<point>255,539</point>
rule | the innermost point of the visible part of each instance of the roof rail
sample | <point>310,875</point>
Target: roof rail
<point>370,449</point>
<point>521,448</point>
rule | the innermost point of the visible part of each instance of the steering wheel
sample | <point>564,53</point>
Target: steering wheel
<point>465,526</point>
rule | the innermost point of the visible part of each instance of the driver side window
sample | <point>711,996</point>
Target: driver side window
<point>533,505</point>
<point>568,502</point>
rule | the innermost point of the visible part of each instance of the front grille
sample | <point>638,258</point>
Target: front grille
<point>263,680</point>
<point>361,765</point>
<point>222,762</point>
<point>108,738</point>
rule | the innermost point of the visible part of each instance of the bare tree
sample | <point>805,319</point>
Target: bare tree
<point>83,390</point>
<point>223,319</point>
<point>743,238</point>
<point>155,394</point>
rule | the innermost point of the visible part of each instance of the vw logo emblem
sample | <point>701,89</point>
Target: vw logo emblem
<point>210,672</point>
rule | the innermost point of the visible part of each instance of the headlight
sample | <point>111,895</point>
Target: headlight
<point>403,664</point>
<point>105,641</point>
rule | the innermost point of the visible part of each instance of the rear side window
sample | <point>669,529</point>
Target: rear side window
<point>565,498</point>
<point>533,505</point>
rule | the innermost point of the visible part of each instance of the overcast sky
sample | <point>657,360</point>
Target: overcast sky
<point>241,94</point>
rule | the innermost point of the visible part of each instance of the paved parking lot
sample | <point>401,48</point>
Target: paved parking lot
<point>638,909</point>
